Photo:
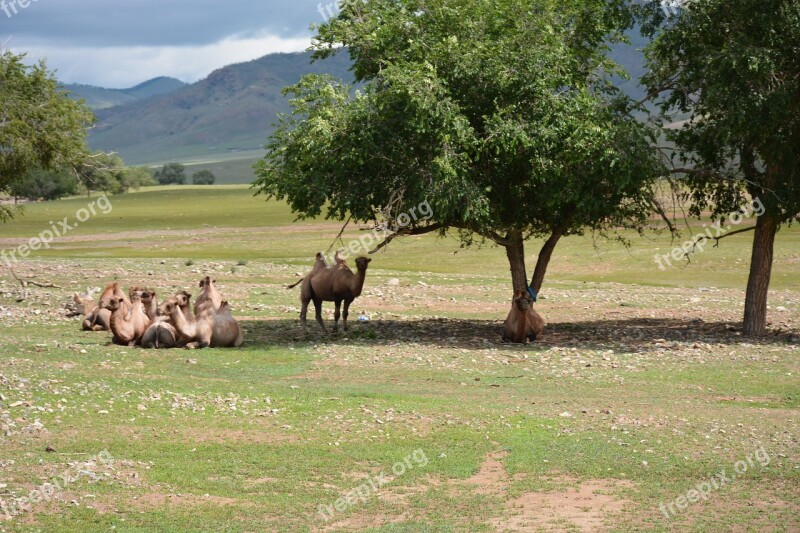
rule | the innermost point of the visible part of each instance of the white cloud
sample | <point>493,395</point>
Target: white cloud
<point>122,67</point>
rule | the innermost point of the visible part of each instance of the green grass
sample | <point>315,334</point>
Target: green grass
<point>234,168</point>
<point>641,385</point>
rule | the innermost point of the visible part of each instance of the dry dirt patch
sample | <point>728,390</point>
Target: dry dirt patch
<point>581,506</point>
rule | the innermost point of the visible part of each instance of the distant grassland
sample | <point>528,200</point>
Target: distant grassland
<point>233,168</point>
<point>229,222</point>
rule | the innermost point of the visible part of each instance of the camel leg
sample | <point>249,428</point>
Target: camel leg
<point>318,309</point>
<point>346,312</point>
<point>197,345</point>
<point>336,315</point>
<point>303,313</point>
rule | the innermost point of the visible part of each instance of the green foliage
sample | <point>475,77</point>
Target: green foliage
<point>102,172</point>
<point>40,126</point>
<point>203,177</point>
<point>45,184</point>
<point>132,178</point>
<point>500,114</point>
<point>733,65</point>
<point>171,173</point>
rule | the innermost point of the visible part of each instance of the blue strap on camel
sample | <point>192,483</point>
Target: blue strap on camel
<point>532,293</point>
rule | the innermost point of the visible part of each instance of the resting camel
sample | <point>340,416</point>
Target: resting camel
<point>211,326</point>
<point>128,320</point>
<point>523,323</point>
<point>160,332</point>
<point>336,284</point>
<point>208,292</point>
<point>150,303</point>
<point>98,318</point>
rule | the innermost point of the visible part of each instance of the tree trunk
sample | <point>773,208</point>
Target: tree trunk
<point>515,251</point>
<point>544,259</point>
<point>755,303</point>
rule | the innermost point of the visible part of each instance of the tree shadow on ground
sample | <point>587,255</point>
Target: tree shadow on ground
<point>630,334</point>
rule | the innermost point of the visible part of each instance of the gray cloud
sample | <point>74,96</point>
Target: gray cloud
<point>154,22</point>
<point>117,43</point>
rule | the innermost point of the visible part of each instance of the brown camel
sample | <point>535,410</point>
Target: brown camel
<point>112,290</point>
<point>98,318</point>
<point>336,284</point>
<point>128,320</point>
<point>160,332</point>
<point>523,324</point>
<point>319,265</point>
<point>211,326</point>
<point>208,292</point>
<point>150,303</point>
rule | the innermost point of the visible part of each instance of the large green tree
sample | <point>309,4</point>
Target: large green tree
<point>40,126</point>
<point>733,66</point>
<point>171,174</point>
<point>45,184</point>
<point>499,113</point>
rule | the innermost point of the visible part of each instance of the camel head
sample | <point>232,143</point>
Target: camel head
<point>183,298</point>
<point>113,303</point>
<point>135,291</point>
<point>113,290</point>
<point>522,300</point>
<point>148,295</point>
<point>362,263</point>
<point>207,282</point>
<point>168,307</point>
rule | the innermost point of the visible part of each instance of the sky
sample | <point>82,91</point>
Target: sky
<point>120,43</point>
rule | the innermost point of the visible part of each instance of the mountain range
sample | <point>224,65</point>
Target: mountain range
<point>232,110</point>
<point>101,98</point>
<point>228,115</point>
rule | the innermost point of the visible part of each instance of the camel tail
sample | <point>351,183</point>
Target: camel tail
<point>292,286</point>
<point>239,339</point>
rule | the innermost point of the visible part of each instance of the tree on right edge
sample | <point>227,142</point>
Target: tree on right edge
<point>733,66</point>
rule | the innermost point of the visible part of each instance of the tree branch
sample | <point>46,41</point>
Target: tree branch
<point>408,232</point>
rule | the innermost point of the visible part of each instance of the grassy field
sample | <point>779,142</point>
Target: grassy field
<point>641,392</point>
<point>233,168</point>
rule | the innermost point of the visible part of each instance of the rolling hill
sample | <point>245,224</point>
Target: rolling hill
<point>101,98</point>
<point>230,111</point>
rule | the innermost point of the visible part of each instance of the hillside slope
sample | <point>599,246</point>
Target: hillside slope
<point>231,110</point>
<point>101,98</point>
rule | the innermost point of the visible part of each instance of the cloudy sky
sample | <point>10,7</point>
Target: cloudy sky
<point>120,43</point>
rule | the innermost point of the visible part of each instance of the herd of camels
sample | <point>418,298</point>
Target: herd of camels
<point>136,318</point>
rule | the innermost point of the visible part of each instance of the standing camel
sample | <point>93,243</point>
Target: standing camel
<point>335,284</point>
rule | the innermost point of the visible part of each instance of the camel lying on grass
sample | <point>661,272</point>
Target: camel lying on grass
<point>98,318</point>
<point>214,327</point>
<point>137,319</point>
